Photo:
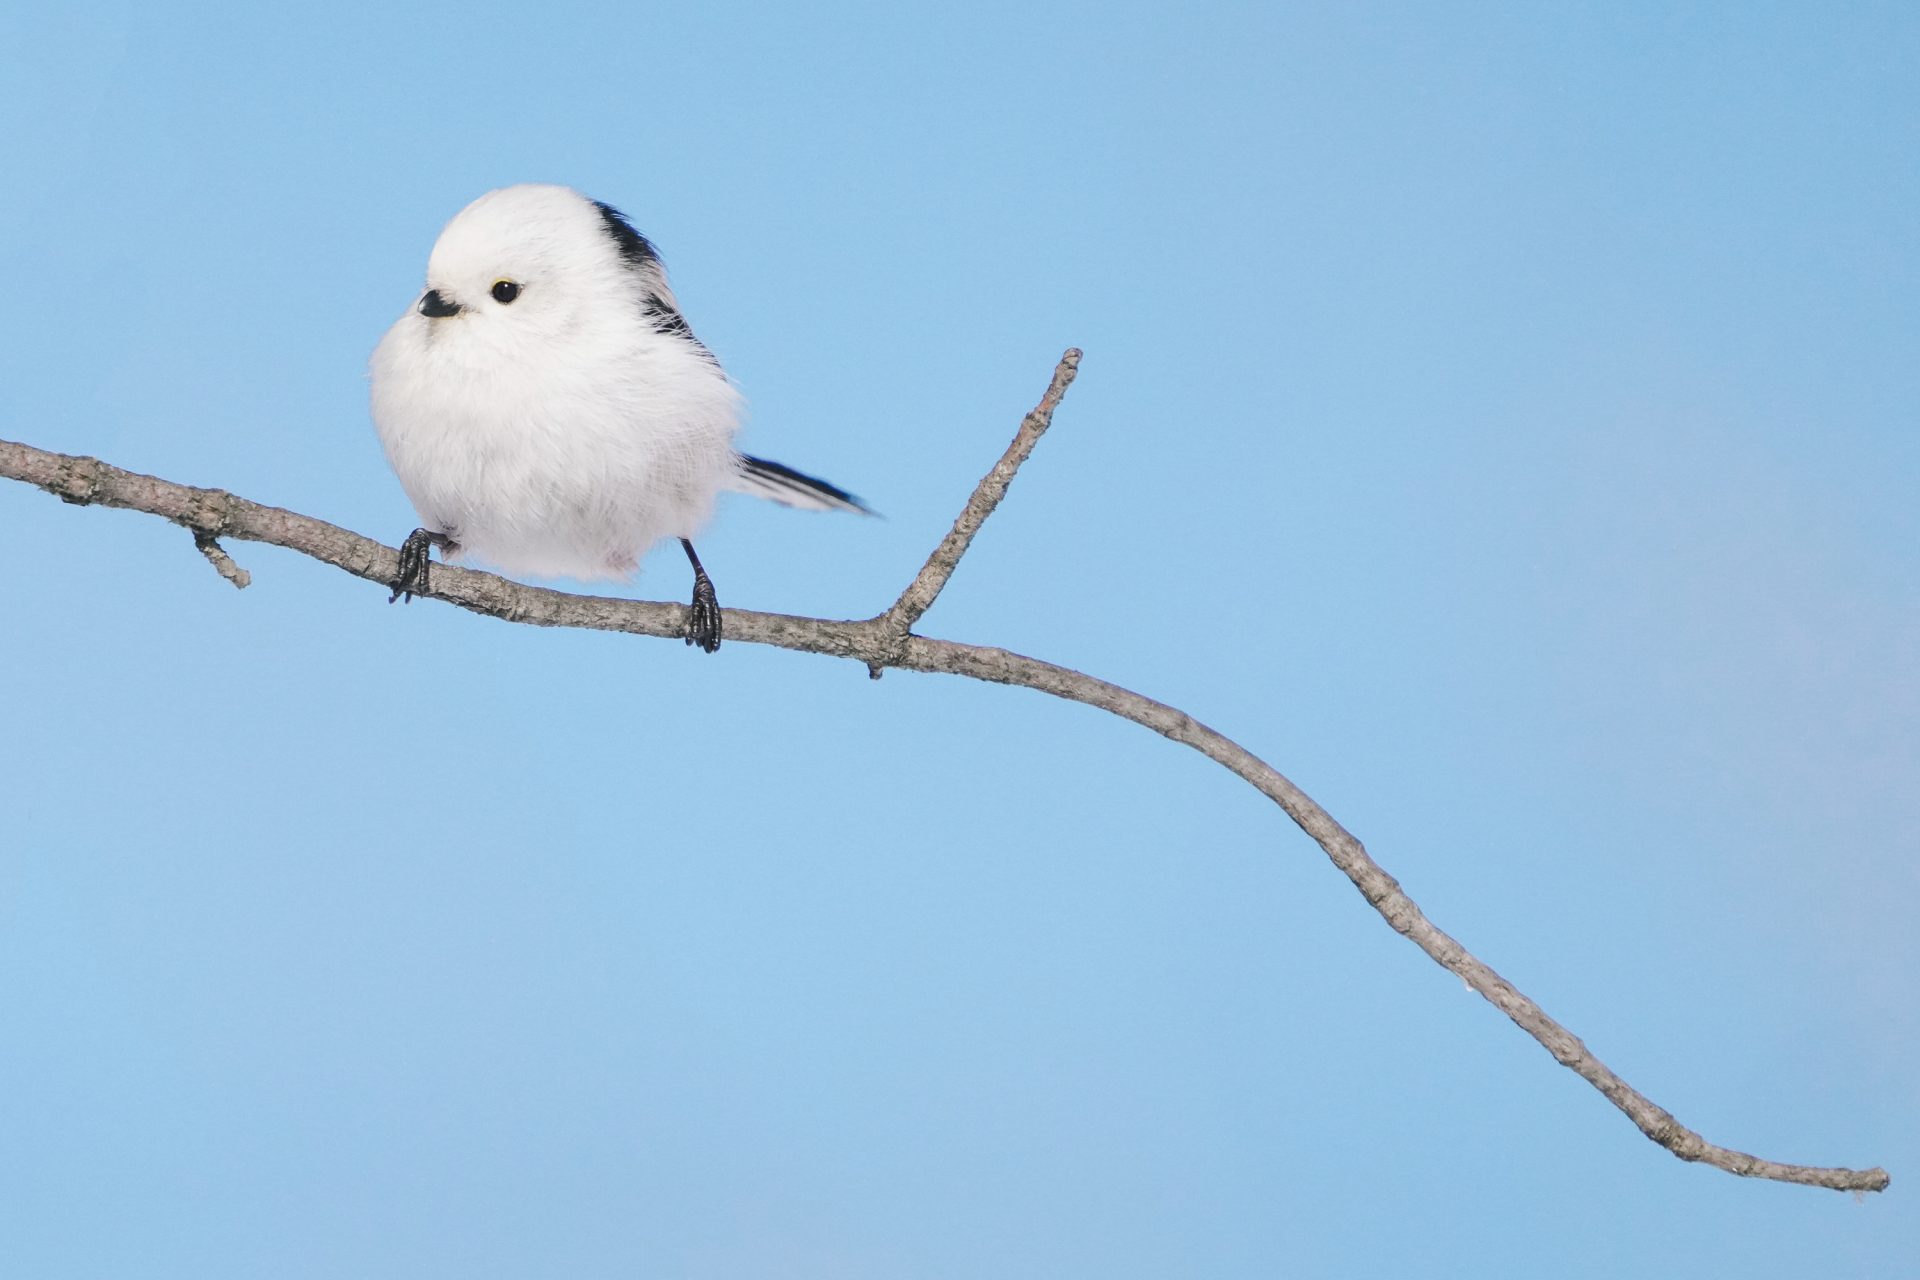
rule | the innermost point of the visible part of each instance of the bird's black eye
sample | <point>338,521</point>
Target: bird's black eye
<point>505,291</point>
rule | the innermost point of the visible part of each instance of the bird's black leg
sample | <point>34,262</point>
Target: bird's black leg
<point>414,560</point>
<point>703,615</point>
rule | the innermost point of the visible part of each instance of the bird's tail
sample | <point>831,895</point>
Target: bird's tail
<point>789,488</point>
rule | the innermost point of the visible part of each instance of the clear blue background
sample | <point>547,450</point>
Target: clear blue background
<point>1501,418</point>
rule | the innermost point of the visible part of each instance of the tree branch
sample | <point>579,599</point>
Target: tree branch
<point>932,578</point>
<point>884,641</point>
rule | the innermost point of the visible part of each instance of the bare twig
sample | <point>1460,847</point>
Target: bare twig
<point>886,641</point>
<point>932,578</point>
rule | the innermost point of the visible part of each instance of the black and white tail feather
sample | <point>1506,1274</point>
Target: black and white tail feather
<point>780,483</point>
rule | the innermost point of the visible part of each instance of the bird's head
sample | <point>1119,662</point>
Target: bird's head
<point>525,263</point>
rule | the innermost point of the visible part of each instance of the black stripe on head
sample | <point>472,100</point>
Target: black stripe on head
<point>635,248</point>
<point>638,253</point>
<point>664,318</point>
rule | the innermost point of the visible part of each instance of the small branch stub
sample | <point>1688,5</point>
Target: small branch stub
<point>222,562</point>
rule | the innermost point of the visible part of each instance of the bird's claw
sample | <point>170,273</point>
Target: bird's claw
<point>703,615</point>
<point>415,564</point>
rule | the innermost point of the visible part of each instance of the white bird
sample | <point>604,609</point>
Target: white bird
<point>548,410</point>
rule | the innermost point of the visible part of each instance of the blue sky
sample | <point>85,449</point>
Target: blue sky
<point>1500,418</point>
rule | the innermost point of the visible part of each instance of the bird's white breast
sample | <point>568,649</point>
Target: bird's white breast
<point>561,455</point>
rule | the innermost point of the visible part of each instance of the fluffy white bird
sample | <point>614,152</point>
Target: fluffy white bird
<point>548,410</point>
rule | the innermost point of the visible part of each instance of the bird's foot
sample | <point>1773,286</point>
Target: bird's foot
<point>703,615</point>
<point>415,564</point>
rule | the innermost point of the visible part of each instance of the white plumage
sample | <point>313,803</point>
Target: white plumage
<point>545,405</point>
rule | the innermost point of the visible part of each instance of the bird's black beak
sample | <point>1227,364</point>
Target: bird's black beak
<point>432,304</point>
